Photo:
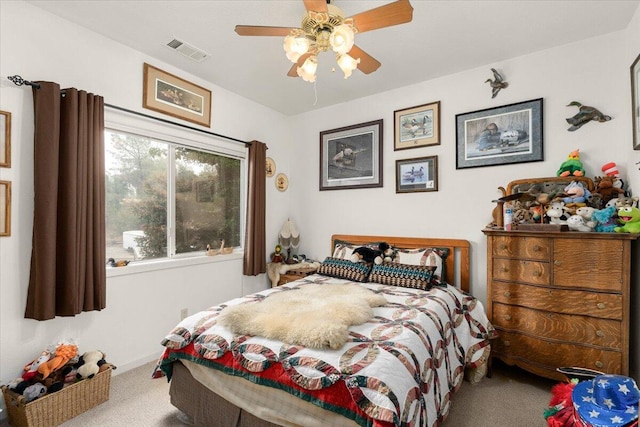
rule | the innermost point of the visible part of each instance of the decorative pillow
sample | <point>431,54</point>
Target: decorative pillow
<point>345,269</point>
<point>425,256</point>
<point>407,276</point>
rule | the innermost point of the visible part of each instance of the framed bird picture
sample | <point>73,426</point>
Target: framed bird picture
<point>635,102</point>
<point>417,126</point>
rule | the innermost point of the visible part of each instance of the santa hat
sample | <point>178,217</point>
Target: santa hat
<point>610,169</point>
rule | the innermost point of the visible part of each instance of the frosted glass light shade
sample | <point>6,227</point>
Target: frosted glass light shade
<point>295,47</point>
<point>308,69</point>
<point>347,64</point>
<point>342,39</point>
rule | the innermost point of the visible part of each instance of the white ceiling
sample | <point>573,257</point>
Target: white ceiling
<point>445,37</point>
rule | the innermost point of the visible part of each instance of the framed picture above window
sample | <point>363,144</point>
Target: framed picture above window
<point>176,97</point>
<point>351,157</point>
<point>5,139</point>
<point>635,102</point>
<point>416,175</point>
<point>417,126</point>
<point>500,135</point>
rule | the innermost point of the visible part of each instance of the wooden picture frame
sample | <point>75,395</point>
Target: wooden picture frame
<point>5,208</point>
<point>5,139</point>
<point>417,175</point>
<point>351,157</point>
<point>168,94</point>
<point>635,102</point>
<point>417,126</point>
<point>500,135</point>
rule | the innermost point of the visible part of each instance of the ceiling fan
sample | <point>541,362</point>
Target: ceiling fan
<point>325,28</point>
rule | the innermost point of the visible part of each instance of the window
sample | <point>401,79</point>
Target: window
<point>165,198</point>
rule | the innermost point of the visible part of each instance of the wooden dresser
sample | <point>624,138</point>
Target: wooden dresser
<point>560,299</point>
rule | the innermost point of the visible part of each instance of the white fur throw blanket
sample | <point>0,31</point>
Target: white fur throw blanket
<point>312,315</point>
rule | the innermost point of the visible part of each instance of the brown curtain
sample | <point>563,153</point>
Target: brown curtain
<point>255,253</point>
<point>68,256</point>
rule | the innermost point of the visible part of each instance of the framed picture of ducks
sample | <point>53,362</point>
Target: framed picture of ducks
<point>416,175</point>
<point>5,139</point>
<point>635,102</point>
<point>500,135</point>
<point>176,97</point>
<point>5,208</point>
<point>417,126</point>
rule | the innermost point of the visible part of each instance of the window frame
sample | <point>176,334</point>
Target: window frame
<point>174,135</point>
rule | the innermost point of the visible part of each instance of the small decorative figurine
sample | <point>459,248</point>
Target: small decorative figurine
<point>497,83</point>
<point>585,114</point>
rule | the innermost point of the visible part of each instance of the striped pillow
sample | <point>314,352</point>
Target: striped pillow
<point>345,269</point>
<point>407,276</point>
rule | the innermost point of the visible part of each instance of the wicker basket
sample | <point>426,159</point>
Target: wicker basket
<point>56,408</point>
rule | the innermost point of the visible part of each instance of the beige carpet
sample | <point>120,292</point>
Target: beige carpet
<point>510,398</point>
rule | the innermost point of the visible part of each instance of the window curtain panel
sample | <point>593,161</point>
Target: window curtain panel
<point>255,253</point>
<point>68,273</point>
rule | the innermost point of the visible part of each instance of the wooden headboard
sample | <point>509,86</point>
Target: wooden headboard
<point>457,262</point>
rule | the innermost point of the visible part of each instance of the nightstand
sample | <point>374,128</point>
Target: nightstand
<point>295,274</point>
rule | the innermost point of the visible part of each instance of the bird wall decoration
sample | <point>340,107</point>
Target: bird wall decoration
<point>497,83</point>
<point>584,115</point>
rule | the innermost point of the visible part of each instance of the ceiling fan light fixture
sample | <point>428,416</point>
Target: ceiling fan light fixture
<point>342,39</point>
<point>295,46</point>
<point>347,64</point>
<point>308,69</point>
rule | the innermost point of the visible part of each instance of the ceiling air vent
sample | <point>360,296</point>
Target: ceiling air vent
<point>187,50</point>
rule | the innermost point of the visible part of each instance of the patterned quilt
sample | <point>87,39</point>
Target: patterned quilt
<point>398,369</point>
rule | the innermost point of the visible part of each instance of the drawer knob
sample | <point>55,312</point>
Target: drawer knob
<point>599,364</point>
<point>537,274</point>
<point>536,248</point>
<point>507,317</point>
<point>599,333</point>
<point>601,305</point>
<point>507,294</point>
<point>556,262</point>
<point>506,343</point>
<point>502,246</point>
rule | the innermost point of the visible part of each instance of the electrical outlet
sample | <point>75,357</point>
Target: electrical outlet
<point>184,313</point>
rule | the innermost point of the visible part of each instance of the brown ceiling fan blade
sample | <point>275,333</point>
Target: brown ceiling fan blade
<point>293,71</point>
<point>398,12</point>
<point>368,64</point>
<point>255,30</point>
<point>316,5</point>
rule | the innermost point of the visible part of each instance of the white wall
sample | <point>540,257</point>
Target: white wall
<point>141,308</point>
<point>594,72</point>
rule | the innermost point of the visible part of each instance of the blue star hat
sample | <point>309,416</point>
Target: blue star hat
<point>606,401</point>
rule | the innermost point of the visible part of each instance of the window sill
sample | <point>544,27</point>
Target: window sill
<point>167,263</point>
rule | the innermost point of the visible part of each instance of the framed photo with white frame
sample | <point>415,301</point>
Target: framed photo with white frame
<point>635,102</point>
<point>176,97</point>
<point>417,126</point>
<point>5,139</point>
<point>351,157</point>
<point>417,175</point>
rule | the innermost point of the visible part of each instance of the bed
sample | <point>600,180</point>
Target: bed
<point>400,367</point>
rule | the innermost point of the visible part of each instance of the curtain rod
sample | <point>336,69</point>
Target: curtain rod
<point>19,81</point>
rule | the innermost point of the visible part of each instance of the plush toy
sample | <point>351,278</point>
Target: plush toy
<point>89,364</point>
<point>606,219</point>
<point>556,212</point>
<point>62,355</point>
<point>34,391</point>
<point>630,217</point>
<point>577,223</point>
<point>367,254</point>
<point>575,192</point>
<point>605,186</point>
<point>572,166</point>
<point>31,369</point>
<point>586,212</point>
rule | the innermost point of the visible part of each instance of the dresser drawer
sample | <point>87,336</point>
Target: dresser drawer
<point>564,327</point>
<point>589,263</point>
<point>514,270</point>
<point>594,304</point>
<point>525,247</point>
<point>552,355</point>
